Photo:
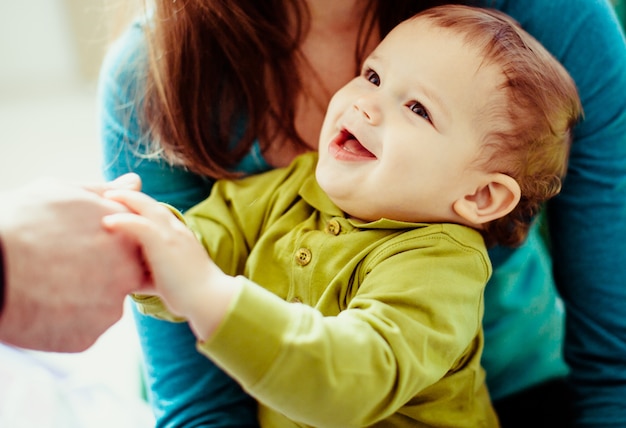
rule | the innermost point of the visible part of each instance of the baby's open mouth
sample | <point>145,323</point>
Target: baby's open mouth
<point>348,142</point>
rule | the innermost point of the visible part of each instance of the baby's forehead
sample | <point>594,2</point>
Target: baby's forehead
<point>463,48</point>
<point>476,41</point>
<point>448,38</point>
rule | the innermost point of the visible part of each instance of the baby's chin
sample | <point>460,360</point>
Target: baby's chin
<point>345,201</point>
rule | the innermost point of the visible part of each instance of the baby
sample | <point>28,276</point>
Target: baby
<point>347,289</point>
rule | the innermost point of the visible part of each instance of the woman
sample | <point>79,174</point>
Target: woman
<point>242,87</point>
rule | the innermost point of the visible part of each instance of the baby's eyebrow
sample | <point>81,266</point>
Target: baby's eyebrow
<point>433,98</point>
<point>373,57</point>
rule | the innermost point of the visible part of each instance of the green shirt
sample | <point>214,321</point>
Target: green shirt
<point>364,323</point>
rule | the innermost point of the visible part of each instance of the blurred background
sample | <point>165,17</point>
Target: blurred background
<point>50,54</point>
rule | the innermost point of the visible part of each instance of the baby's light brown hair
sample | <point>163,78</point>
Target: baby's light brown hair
<point>529,128</point>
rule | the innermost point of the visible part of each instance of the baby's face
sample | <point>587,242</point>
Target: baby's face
<point>400,141</point>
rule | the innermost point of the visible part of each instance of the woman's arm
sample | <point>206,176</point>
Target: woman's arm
<point>587,222</point>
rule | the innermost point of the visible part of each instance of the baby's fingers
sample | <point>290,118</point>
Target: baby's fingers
<point>143,205</point>
<point>138,228</point>
<point>160,233</point>
<point>127,181</point>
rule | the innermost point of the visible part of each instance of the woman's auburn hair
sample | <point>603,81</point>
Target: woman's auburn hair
<point>221,75</point>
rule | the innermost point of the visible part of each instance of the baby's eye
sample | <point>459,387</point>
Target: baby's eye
<point>420,110</point>
<point>372,76</point>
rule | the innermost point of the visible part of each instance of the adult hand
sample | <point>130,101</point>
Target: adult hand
<point>66,277</point>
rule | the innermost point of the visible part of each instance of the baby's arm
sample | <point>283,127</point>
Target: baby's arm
<point>184,276</point>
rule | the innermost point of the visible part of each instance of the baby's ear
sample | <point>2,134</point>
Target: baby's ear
<point>493,199</point>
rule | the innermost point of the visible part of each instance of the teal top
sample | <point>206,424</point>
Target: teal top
<point>389,329</point>
<point>579,270</point>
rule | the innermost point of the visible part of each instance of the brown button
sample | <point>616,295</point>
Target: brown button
<point>333,227</point>
<point>303,256</point>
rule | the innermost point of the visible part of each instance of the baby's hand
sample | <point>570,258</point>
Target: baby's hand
<point>179,266</point>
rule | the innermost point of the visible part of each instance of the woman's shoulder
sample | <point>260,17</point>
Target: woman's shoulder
<point>556,22</point>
